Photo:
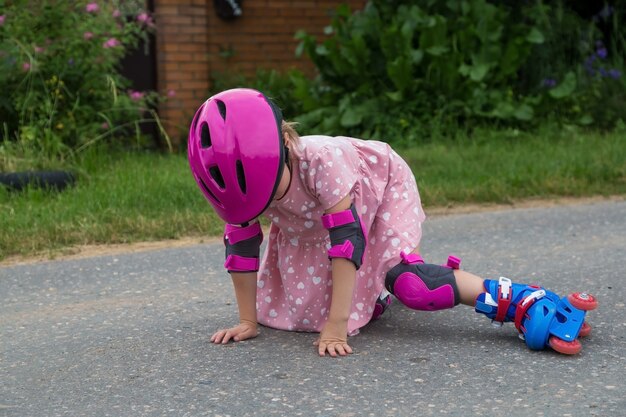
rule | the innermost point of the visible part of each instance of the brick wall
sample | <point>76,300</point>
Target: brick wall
<point>193,44</point>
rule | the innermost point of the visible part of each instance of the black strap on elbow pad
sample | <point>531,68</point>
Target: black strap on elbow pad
<point>243,246</point>
<point>347,236</point>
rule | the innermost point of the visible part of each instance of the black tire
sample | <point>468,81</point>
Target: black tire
<point>53,180</point>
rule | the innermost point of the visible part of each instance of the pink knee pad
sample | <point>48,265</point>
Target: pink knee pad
<point>423,286</point>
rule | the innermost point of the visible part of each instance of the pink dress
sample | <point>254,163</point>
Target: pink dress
<point>295,280</point>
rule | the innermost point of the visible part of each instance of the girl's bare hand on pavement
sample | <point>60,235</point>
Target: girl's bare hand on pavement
<point>333,339</point>
<point>244,330</point>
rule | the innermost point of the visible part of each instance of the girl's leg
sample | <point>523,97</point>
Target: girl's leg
<point>470,286</point>
<point>542,317</point>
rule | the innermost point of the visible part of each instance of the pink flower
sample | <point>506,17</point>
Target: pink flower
<point>39,49</point>
<point>92,8</point>
<point>171,93</point>
<point>87,36</point>
<point>104,126</point>
<point>111,43</point>
<point>116,13</point>
<point>26,66</point>
<point>135,95</point>
<point>2,17</point>
<point>145,19</point>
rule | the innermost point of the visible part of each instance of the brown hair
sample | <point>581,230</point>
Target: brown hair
<point>292,136</point>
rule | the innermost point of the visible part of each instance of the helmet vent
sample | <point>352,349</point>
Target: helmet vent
<point>208,191</point>
<point>241,177</point>
<point>222,108</point>
<point>205,136</point>
<point>217,176</point>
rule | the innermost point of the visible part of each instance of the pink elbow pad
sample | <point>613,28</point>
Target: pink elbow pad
<point>243,246</point>
<point>347,236</point>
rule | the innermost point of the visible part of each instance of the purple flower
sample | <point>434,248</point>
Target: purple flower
<point>70,61</point>
<point>606,12</point>
<point>615,73</point>
<point>602,53</point>
<point>135,95</point>
<point>87,36</point>
<point>2,17</point>
<point>116,13</point>
<point>549,82</point>
<point>25,66</point>
<point>92,8</point>
<point>111,43</point>
<point>589,64</point>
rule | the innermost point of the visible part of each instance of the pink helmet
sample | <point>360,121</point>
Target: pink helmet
<point>236,153</point>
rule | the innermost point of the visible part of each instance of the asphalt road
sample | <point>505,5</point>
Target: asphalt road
<point>127,335</point>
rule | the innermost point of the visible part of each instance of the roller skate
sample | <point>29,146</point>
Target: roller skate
<point>382,304</point>
<point>541,316</point>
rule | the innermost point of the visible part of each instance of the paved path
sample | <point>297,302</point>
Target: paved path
<point>127,335</point>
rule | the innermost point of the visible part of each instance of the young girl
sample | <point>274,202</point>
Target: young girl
<point>345,230</point>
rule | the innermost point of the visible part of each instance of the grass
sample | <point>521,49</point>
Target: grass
<point>502,167</point>
<point>126,197</point>
<point>120,198</point>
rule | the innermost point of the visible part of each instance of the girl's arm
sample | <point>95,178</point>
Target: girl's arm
<point>242,260</point>
<point>334,335</point>
<point>245,292</point>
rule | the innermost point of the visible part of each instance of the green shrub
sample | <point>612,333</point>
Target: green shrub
<point>279,86</point>
<point>59,75</point>
<point>401,71</point>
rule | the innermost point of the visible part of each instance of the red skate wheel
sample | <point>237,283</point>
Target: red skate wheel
<point>567,348</point>
<point>585,330</point>
<point>583,301</point>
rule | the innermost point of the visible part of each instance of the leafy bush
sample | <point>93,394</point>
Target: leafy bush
<point>279,86</point>
<point>398,69</point>
<point>61,86</point>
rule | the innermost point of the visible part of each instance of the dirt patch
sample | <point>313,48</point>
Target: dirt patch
<point>524,204</point>
<point>88,251</point>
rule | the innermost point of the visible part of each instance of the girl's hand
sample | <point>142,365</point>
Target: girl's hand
<point>333,339</point>
<point>245,330</point>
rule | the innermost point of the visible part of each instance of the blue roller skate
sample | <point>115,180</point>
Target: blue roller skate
<point>541,316</point>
